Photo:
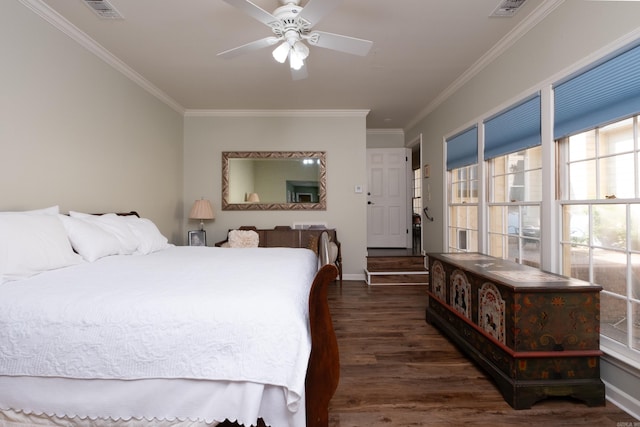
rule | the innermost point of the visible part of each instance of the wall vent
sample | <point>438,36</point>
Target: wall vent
<point>103,9</point>
<point>507,8</point>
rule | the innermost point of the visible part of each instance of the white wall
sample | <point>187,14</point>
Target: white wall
<point>385,138</point>
<point>342,135</point>
<point>77,133</point>
<point>568,37</point>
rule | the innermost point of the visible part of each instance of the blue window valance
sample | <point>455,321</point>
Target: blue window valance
<point>605,93</point>
<point>462,149</point>
<point>514,129</point>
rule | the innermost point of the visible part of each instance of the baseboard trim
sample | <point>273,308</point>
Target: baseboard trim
<point>623,400</point>
<point>354,276</point>
<point>620,380</point>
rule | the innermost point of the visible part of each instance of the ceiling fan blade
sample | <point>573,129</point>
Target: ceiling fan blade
<point>253,10</point>
<point>340,43</point>
<point>315,10</point>
<point>249,47</point>
<point>300,74</point>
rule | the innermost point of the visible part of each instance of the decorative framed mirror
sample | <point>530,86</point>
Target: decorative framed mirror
<point>274,180</point>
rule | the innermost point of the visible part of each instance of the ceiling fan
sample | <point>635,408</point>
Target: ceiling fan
<point>292,25</point>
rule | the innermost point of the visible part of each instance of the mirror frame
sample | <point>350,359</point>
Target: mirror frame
<point>322,185</point>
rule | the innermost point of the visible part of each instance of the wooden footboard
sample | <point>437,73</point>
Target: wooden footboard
<point>323,372</point>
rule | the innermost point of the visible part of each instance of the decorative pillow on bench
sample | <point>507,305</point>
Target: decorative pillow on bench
<point>243,239</point>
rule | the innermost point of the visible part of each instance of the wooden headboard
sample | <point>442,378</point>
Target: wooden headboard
<point>117,213</point>
<point>120,213</point>
<point>128,213</point>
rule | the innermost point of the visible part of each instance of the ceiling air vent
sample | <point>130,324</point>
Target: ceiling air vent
<point>103,9</point>
<point>507,8</point>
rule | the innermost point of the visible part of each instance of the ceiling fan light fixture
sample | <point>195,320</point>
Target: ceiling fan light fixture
<point>301,49</point>
<point>292,25</point>
<point>295,60</point>
<point>281,52</point>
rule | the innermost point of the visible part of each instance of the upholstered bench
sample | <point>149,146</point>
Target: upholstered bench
<point>287,237</point>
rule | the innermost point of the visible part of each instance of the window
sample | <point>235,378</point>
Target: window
<point>515,195</point>
<point>462,191</point>
<point>512,150</point>
<point>600,242</point>
<point>416,198</point>
<point>463,209</point>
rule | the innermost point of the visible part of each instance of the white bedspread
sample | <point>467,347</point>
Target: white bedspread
<point>182,313</point>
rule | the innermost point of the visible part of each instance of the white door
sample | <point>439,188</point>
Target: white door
<point>387,203</point>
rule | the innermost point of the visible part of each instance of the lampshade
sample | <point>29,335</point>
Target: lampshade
<point>201,210</point>
<point>301,49</point>
<point>281,52</point>
<point>295,60</point>
<point>294,49</point>
<point>253,198</point>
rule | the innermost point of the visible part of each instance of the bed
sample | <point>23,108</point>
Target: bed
<point>113,326</point>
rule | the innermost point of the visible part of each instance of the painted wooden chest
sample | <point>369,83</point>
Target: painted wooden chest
<point>536,333</point>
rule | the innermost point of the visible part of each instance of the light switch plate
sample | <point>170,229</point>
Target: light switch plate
<point>358,189</point>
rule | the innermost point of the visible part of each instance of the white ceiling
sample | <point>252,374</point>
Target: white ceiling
<point>421,49</point>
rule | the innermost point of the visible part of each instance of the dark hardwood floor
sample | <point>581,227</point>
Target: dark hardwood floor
<point>396,370</point>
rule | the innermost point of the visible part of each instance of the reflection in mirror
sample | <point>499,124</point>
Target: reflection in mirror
<point>273,180</point>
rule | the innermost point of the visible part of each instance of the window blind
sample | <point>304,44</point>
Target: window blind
<point>514,129</point>
<point>462,149</point>
<point>607,92</point>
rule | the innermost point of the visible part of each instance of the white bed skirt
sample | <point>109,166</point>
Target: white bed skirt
<point>20,419</point>
<point>141,403</point>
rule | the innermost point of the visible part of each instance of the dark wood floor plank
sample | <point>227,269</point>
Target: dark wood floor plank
<point>396,370</point>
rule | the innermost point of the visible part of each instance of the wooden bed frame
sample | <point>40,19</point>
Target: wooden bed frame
<point>323,371</point>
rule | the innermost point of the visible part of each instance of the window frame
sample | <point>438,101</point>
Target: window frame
<point>627,349</point>
<point>416,195</point>
<point>470,182</point>
<point>505,236</point>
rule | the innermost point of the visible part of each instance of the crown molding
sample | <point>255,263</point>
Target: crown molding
<point>276,113</point>
<point>62,24</point>
<point>397,131</point>
<point>498,49</point>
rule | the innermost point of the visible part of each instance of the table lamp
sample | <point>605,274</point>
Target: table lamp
<point>201,210</point>
<point>253,198</point>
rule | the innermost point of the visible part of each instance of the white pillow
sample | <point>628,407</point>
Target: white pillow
<point>115,225</point>
<point>243,239</point>
<point>147,234</point>
<point>53,210</point>
<point>32,243</point>
<point>91,241</point>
